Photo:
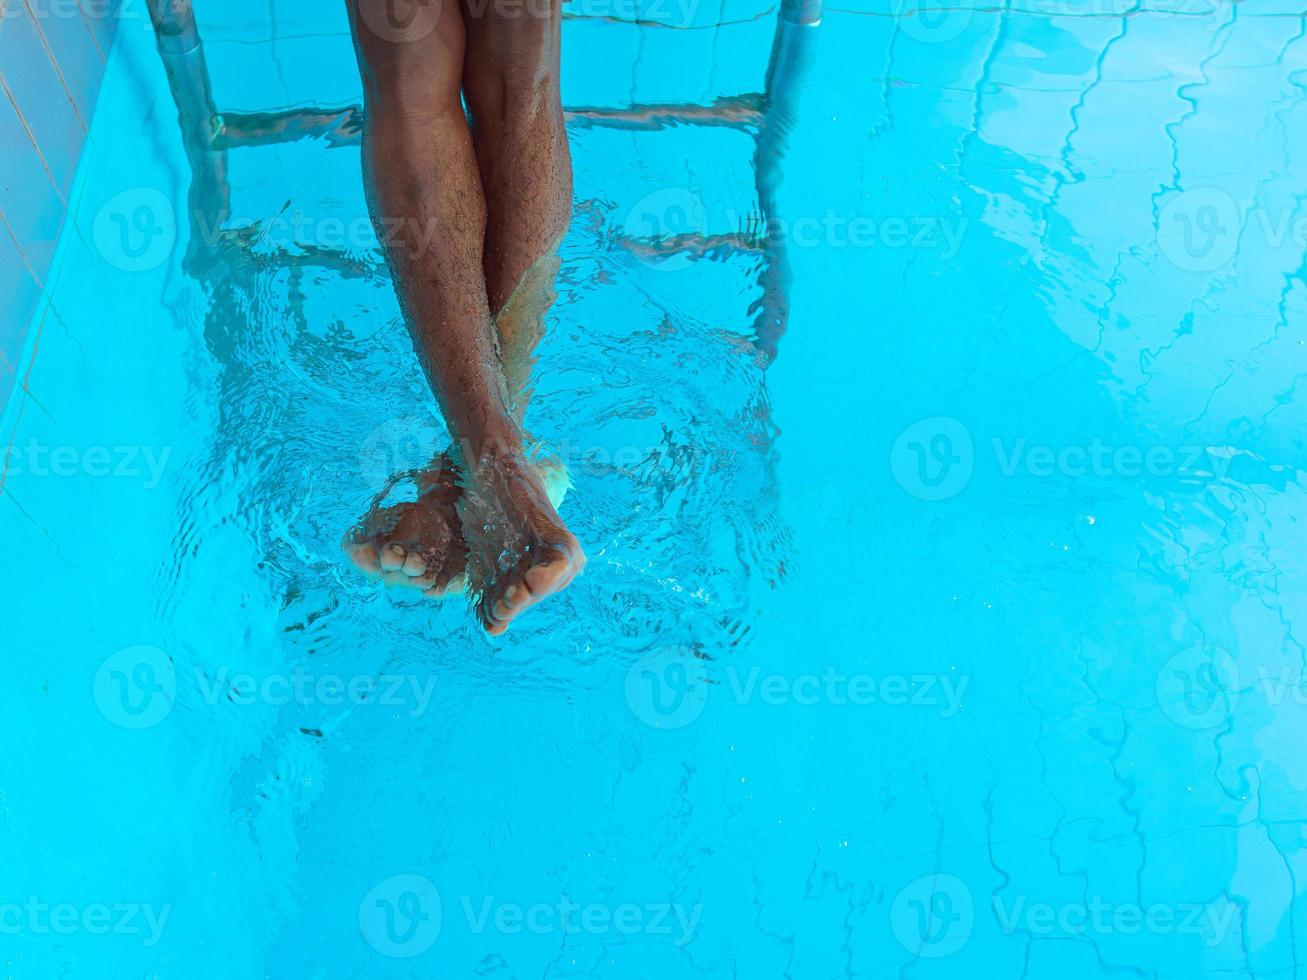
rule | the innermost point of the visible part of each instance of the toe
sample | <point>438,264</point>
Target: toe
<point>515,598</point>
<point>551,575</point>
<point>412,545</point>
<point>495,627</point>
<point>392,557</point>
<point>395,580</point>
<point>494,623</point>
<point>507,606</point>
<point>364,555</point>
<point>554,571</point>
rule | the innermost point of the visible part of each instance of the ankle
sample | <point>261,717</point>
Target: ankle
<point>506,448</point>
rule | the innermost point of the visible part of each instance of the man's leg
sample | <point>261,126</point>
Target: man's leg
<point>426,197</point>
<point>511,83</point>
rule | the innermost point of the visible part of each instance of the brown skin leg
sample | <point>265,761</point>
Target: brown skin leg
<point>510,81</point>
<point>428,200</point>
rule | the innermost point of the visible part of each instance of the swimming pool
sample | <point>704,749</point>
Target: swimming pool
<point>952,636</point>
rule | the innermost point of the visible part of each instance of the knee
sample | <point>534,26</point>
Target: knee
<point>505,89</point>
<point>410,53</point>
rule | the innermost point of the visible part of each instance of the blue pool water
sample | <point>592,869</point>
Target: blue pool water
<point>955,640</point>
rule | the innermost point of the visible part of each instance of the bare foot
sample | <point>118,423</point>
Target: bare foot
<point>419,544</point>
<point>520,552</point>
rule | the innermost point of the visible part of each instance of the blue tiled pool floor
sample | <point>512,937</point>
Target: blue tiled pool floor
<point>959,640</point>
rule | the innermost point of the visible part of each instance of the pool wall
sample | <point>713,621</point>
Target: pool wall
<point>52,60</point>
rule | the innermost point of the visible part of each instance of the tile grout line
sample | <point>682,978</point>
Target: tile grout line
<point>94,40</point>
<point>46,308</point>
<point>9,445</point>
<point>54,63</point>
<point>31,137</point>
<point>22,253</point>
<point>36,342</point>
<point>23,510</point>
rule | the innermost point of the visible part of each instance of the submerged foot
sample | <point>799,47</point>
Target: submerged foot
<point>417,544</point>
<point>420,544</point>
<point>520,551</point>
